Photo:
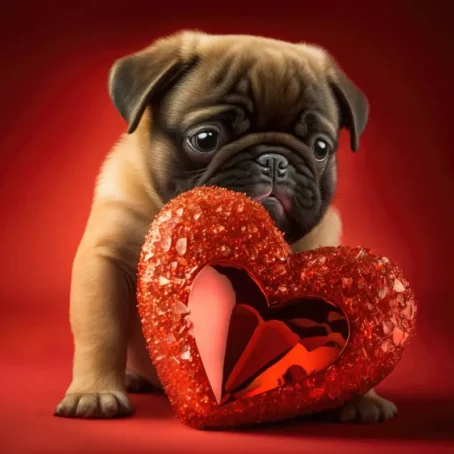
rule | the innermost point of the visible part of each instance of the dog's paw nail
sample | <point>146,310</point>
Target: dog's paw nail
<point>348,413</point>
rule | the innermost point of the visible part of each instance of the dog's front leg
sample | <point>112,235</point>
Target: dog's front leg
<point>102,300</point>
<point>102,305</point>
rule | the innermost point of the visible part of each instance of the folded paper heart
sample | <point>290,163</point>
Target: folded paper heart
<point>242,331</point>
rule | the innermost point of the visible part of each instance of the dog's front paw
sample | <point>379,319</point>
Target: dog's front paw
<point>101,405</point>
<point>367,409</point>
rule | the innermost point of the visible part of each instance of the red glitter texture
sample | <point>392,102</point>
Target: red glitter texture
<point>216,226</point>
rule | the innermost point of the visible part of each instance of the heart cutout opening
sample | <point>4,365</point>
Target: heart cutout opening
<point>249,346</point>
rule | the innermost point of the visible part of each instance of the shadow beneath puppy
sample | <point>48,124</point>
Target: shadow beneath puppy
<point>152,406</point>
<point>418,419</point>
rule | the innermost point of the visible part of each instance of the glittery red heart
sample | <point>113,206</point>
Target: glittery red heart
<point>210,227</point>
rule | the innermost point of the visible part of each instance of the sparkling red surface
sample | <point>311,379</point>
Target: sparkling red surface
<point>219,226</point>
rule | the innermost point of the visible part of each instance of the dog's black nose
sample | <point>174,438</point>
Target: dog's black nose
<point>273,165</point>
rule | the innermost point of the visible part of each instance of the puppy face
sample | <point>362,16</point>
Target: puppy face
<point>250,114</point>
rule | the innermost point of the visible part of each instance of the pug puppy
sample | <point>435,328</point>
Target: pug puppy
<point>250,114</point>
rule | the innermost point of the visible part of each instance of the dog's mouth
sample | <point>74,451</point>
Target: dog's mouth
<point>280,208</point>
<point>277,206</point>
<point>274,206</point>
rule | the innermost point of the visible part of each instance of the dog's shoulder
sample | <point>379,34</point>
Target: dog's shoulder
<point>123,205</point>
<point>124,178</point>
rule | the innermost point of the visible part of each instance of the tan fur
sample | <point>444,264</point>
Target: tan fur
<point>104,321</point>
<point>327,233</point>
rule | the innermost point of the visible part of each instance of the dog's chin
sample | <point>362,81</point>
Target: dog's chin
<point>275,209</point>
<point>282,219</point>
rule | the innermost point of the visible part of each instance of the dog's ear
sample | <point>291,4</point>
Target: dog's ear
<point>353,105</point>
<point>136,79</point>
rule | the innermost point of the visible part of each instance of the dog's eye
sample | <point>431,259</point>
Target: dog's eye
<point>321,149</point>
<point>205,140</point>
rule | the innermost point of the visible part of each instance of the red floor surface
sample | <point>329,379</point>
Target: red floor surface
<point>57,124</point>
<point>31,387</point>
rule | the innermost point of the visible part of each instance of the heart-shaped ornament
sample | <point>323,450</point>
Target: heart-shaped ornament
<point>242,331</point>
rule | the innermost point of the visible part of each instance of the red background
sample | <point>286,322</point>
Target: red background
<point>57,123</point>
